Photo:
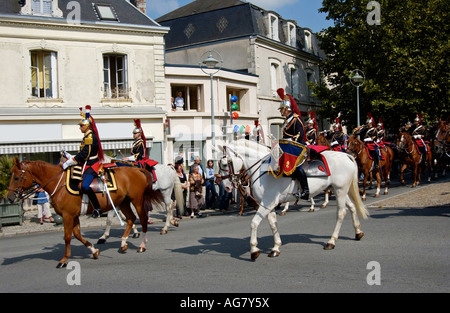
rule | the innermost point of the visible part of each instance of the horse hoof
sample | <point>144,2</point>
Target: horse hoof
<point>141,249</point>
<point>255,255</point>
<point>324,206</point>
<point>329,246</point>
<point>163,232</point>
<point>282,213</point>
<point>376,195</point>
<point>273,254</point>
<point>311,210</point>
<point>101,241</point>
<point>61,265</point>
<point>359,236</point>
<point>123,249</point>
<point>96,254</point>
<point>136,235</point>
<point>385,192</point>
<point>175,223</point>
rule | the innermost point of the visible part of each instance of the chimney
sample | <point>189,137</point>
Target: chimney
<point>140,4</point>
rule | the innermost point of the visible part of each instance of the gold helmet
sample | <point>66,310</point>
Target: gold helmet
<point>86,120</point>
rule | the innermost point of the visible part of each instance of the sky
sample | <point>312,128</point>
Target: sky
<point>305,12</point>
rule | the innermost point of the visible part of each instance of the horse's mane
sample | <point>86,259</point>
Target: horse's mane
<point>255,149</point>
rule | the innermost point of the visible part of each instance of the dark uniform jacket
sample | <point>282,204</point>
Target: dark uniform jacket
<point>419,130</point>
<point>293,128</point>
<point>88,152</point>
<point>138,149</point>
<point>311,136</point>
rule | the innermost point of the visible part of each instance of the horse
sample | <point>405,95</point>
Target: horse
<point>366,164</point>
<point>270,191</point>
<point>440,148</point>
<point>133,186</point>
<point>410,156</point>
<point>167,180</point>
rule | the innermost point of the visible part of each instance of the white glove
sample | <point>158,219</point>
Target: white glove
<point>68,163</point>
<point>67,155</point>
<point>417,136</point>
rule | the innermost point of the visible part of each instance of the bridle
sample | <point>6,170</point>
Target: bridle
<point>21,193</point>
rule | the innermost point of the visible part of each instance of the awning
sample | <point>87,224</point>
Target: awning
<point>56,146</point>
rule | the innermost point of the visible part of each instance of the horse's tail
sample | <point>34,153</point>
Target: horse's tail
<point>150,196</point>
<point>354,193</point>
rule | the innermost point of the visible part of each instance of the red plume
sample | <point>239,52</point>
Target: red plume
<point>94,129</point>
<point>280,92</point>
<point>294,106</point>
<point>312,115</point>
<point>137,123</point>
<point>380,120</point>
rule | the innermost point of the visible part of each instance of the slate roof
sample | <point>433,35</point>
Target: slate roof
<point>127,13</point>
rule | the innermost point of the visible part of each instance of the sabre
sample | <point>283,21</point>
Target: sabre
<point>105,189</point>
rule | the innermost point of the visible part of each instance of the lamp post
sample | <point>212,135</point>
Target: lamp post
<point>357,79</point>
<point>210,62</point>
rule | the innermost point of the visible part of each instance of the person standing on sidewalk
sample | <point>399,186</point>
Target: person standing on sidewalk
<point>44,212</point>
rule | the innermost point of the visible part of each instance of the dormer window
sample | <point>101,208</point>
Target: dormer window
<point>308,47</point>
<point>291,34</point>
<point>105,12</point>
<point>273,27</point>
<point>41,8</point>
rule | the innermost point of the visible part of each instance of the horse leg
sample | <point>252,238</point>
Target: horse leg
<point>68,221</point>
<point>327,198</point>
<point>340,199</point>
<point>272,218</point>
<point>130,217</point>
<point>366,174</point>
<point>87,244</point>
<point>311,209</point>
<point>415,182</point>
<point>260,214</point>
<point>105,235</point>
<point>169,216</point>
<point>356,225</point>
<point>286,207</point>
<point>378,178</point>
<point>402,169</point>
<point>242,205</point>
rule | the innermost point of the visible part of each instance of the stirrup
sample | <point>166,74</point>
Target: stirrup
<point>96,213</point>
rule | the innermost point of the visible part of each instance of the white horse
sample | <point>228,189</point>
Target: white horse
<point>167,181</point>
<point>270,191</point>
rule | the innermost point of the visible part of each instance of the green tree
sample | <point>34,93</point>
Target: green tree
<point>6,164</point>
<point>405,61</point>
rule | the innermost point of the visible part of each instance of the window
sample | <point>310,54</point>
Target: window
<point>292,37</point>
<point>273,27</point>
<point>105,12</point>
<point>43,74</point>
<point>115,84</point>
<point>41,7</point>
<point>308,41</point>
<point>274,68</point>
<point>242,102</point>
<point>293,80</point>
<point>309,78</point>
<point>190,94</point>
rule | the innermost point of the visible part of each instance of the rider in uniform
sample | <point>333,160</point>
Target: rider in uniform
<point>294,129</point>
<point>311,129</point>
<point>370,137</point>
<point>418,132</point>
<point>337,137</point>
<point>380,132</point>
<point>138,150</point>
<point>89,157</point>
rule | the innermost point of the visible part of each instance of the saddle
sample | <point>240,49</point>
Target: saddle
<point>421,146</point>
<point>74,178</point>
<point>148,164</point>
<point>317,165</point>
<point>372,150</point>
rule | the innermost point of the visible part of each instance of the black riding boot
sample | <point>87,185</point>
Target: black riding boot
<point>94,201</point>
<point>301,177</point>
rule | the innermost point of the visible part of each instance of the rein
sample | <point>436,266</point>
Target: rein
<point>26,194</point>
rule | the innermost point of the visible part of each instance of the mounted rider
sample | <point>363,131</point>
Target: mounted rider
<point>139,150</point>
<point>294,147</point>
<point>380,132</point>
<point>89,156</point>
<point>311,129</point>
<point>418,133</point>
<point>370,138</point>
<point>337,137</point>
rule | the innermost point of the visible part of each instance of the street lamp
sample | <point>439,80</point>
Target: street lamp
<point>210,62</point>
<point>357,79</point>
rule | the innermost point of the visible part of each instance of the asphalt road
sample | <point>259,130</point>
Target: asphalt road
<point>403,250</point>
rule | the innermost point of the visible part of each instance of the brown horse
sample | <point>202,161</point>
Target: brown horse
<point>409,155</point>
<point>441,147</point>
<point>133,186</point>
<point>323,141</point>
<point>365,164</point>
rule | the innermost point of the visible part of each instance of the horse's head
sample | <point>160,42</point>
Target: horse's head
<point>403,140</point>
<point>230,166</point>
<point>21,180</point>
<point>353,145</point>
